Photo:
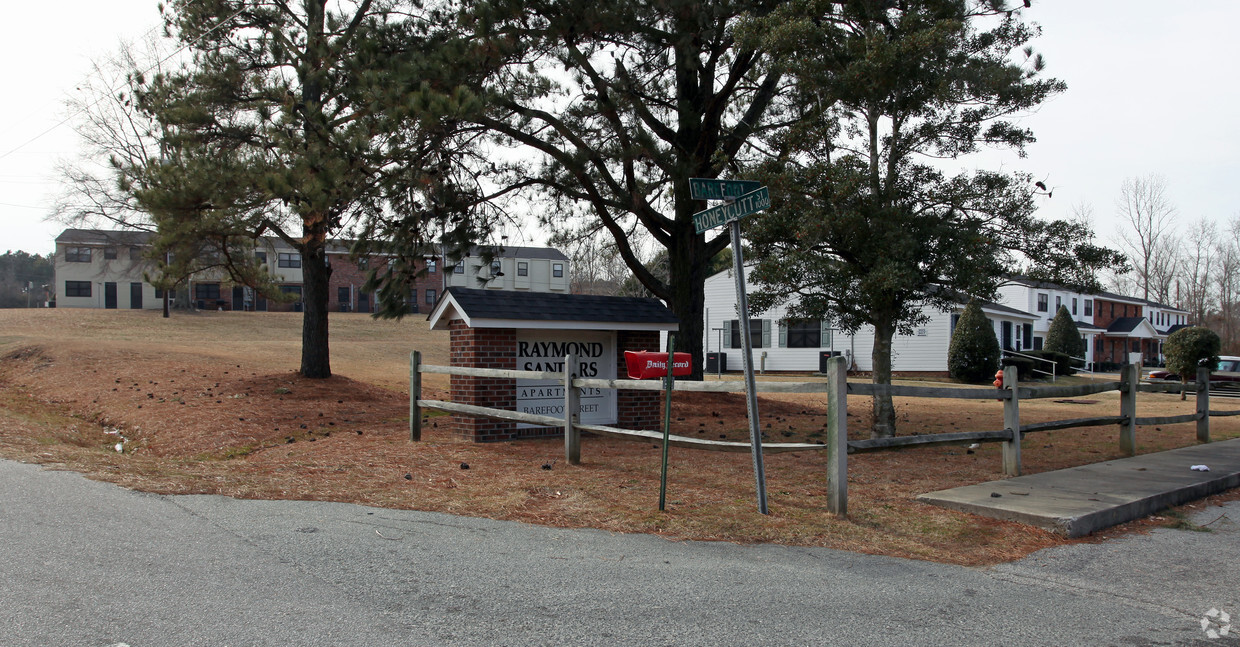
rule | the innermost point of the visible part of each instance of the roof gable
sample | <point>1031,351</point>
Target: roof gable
<point>1133,327</point>
<point>481,308</point>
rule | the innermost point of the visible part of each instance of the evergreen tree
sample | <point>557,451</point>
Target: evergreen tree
<point>303,120</point>
<point>23,277</point>
<point>622,102</point>
<point>1063,336</point>
<point>974,352</point>
<point>863,231</point>
<point>1188,348</point>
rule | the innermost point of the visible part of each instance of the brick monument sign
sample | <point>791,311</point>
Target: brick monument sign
<point>534,331</point>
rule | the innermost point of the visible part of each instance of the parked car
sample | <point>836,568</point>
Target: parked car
<point>1228,371</point>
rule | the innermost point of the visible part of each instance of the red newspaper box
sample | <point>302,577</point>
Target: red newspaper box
<point>645,364</point>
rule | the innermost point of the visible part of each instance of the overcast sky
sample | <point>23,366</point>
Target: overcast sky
<point>1152,89</point>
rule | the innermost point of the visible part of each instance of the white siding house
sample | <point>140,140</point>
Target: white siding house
<point>784,346</point>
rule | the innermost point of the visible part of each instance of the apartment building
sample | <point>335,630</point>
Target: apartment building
<point>109,269</point>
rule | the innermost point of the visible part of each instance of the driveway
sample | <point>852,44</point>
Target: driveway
<point>88,563</point>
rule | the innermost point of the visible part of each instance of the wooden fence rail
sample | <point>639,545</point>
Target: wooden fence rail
<point>837,389</point>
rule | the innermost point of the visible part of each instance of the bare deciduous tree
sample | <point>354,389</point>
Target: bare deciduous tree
<point>1197,266</point>
<point>113,132</point>
<point>1227,282</point>
<point>1144,205</point>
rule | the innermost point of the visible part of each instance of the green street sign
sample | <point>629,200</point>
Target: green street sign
<point>751,202</point>
<point>708,189</point>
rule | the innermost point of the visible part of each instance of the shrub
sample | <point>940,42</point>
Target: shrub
<point>1188,348</point>
<point>1063,336</point>
<point>1063,363</point>
<point>1024,367</point>
<point>974,352</point>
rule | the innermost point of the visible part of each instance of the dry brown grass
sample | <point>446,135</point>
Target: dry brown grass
<point>211,403</point>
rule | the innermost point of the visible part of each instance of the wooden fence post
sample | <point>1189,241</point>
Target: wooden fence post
<point>1130,376</point>
<point>1203,404</point>
<point>415,394</point>
<point>1011,421</point>
<point>837,436</point>
<point>572,435</point>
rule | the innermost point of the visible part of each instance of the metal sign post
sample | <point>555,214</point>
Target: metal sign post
<point>744,197</point>
<point>668,383</point>
<point>751,393</point>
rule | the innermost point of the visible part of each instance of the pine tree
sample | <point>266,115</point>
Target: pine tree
<point>304,120</point>
<point>974,352</point>
<point>863,231</point>
<point>622,103</point>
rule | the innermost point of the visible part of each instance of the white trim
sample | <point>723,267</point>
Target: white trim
<point>541,324</point>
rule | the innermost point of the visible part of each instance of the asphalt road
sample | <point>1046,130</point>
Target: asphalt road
<point>87,563</point>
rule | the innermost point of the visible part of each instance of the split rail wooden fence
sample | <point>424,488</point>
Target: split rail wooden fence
<point>837,388</point>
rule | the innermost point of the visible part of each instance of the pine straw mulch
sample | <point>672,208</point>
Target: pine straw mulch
<point>190,422</point>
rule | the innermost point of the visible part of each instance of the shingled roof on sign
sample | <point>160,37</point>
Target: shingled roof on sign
<point>482,308</point>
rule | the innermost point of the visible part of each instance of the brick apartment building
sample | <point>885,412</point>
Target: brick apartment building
<point>107,269</point>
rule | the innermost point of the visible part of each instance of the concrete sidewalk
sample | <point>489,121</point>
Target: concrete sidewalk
<point>1081,500</point>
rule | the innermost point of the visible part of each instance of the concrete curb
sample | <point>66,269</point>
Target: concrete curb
<point>1082,500</point>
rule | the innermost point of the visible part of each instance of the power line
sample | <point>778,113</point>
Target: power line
<point>20,206</point>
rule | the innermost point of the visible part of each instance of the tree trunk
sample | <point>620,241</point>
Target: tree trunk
<point>315,356</point>
<point>884,410</point>
<point>687,283</point>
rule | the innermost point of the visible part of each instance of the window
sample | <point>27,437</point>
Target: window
<point>523,268</point>
<point>1089,307</point>
<point>343,296</point>
<point>557,270</point>
<point>955,322</point>
<point>1058,303</point>
<point>459,268</point>
<point>291,289</point>
<point>363,264</point>
<point>803,333</point>
<point>135,253</point>
<point>495,268</point>
<point>159,293</point>
<point>1037,343</point>
<point>1028,340</point>
<point>109,253</point>
<point>77,254</point>
<point>261,257</point>
<point>412,300</point>
<point>1043,302</point>
<point>430,297</point>
<point>755,333</point>
<point>77,288</point>
<point>1073,306</point>
<point>431,264</point>
<point>287,259</point>
<point>206,291</point>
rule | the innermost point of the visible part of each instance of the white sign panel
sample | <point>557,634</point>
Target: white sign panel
<point>544,350</point>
